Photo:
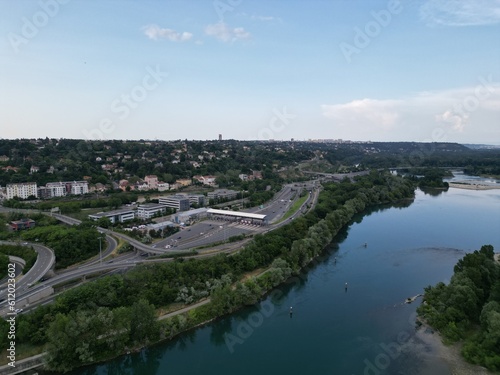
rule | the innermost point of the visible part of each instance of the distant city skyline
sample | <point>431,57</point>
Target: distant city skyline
<point>361,71</point>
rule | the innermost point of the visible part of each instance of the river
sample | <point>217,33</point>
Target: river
<point>366,329</point>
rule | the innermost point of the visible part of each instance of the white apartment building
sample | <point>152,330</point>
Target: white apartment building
<point>55,189</point>
<point>79,187</point>
<point>22,190</point>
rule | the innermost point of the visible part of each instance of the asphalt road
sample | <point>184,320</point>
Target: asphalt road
<point>45,260</point>
<point>200,234</point>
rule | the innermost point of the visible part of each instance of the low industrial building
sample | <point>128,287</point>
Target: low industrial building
<point>237,216</point>
<point>116,216</point>
<point>22,224</point>
<point>160,226</point>
<point>190,216</point>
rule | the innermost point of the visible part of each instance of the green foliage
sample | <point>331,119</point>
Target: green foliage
<point>70,244</point>
<point>4,262</point>
<point>126,301</point>
<point>24,252</point>
<point>469,303</point>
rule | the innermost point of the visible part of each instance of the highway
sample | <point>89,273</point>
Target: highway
<point>44,262</point>
<point>198,235</point>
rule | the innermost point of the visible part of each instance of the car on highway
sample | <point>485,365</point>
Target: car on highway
<point>17,311</point>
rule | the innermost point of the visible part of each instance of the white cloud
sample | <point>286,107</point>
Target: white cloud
<point>455,119</point>
<point>223,32</point>
<point>367,112</point>
<point>460,12</point>
<point>156,32</point>
<point>462,110</point>
<point>259,17</point>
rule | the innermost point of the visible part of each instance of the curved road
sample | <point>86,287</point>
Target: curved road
<point>46,257</point>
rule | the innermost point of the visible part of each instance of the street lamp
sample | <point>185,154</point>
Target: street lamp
<point>100,247</point>
<point>100,250</point>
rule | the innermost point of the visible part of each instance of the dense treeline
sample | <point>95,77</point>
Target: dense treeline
<point>429,177</point>
<point>72,319</point>
<point>24,252</point>
<point>72,205</point>
<point>70,244</point>
<point>71,159</point>
<point>468,308</point>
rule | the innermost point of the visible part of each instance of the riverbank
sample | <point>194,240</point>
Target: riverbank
<point>471,186</point>
<point>450,354</point>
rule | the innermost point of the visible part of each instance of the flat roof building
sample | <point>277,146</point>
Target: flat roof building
<point>22,224</point>
<point>222,194</point>
<point>22,190</point>
<point>149,210</point>
<point>237,216</point>
<point>178,202</point>
<point>189,216</point>
<point>116,216</point>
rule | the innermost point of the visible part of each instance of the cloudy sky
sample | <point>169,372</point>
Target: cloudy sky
<point>380,70</point>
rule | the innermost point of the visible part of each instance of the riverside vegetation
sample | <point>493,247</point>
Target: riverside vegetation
<point>468,308</point>
<point>115,314</point>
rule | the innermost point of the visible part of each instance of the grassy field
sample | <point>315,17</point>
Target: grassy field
<point>294,207</point>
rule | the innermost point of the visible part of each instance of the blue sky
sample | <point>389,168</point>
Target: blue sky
<point>360,70</point>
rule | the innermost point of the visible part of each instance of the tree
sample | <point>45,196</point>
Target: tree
<point>143,323</point>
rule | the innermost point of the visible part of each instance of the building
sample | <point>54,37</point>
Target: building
<point>22,224</point>
<point>163,186</point>
<point>184,181</point>
<point>22,190</point>
<point>197,199</point>
<point>206,180</point>
<point>160,226</point>
<point>79,187</point>
<point>222,194</point>
<point>56,189</point>
<point>238,216</point>
<point>190,216</point>
<point>61,189</point>
<point>43,192</point>
<point>149,210</point>
<point>116,216</point>
<point>178,202</point>
<point>152,181</point>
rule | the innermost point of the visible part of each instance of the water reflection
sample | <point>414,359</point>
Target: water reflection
<point>219,329</point>
<point>433,192</point>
